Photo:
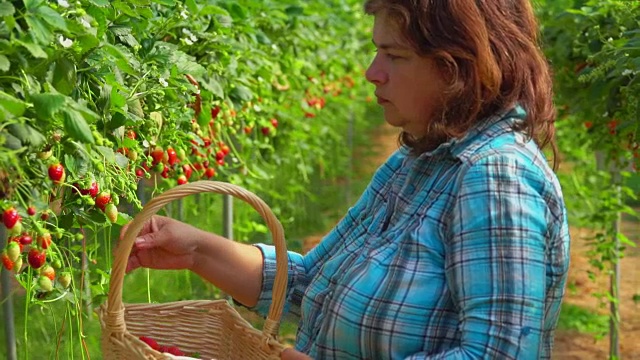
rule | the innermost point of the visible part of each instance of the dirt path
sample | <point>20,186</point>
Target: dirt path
<point>569,345</point>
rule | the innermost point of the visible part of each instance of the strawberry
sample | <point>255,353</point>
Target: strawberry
<point>48,271</point>
<point>64,279</point>
<point>102,200</point>
<point>13,251</point>
<point>31,210</point>
<point>10,217</point>
<point>220,155</point>
<point>56,173</point>
<point>45,283</point>
<point>45,215</point>
<point>248,130</point>
<point>215,111</point>
<point>182,179</point>
<point>274,122</point>
<point>172,156</point>
<point>186,168</point>
<point>36,258</point>
<point>174,350</point>
<point>17,228</point>
<point>44,240</point>
<point>6,261</point>
<point>225,149</point>
<point>112,212</point>
<point>131,134</point>
<point>92,190</point>
<point>25,239</point>
<point>149,341</point>
<point>265,131</point>
<point>157,154</point>
<point>17,266</point>
<point>210,172</point>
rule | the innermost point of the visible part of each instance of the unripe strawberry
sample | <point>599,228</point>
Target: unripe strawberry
<point>44,240</point>
<point>45,283</point>
<point>64,279</point>
<point>112,212</point>
<point>13,251</point>
<point>16,229</point>
<point>48,271</point>
<point>17,266</point>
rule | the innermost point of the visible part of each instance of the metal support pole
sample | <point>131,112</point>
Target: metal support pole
<point>227,216</point>
<point>614,285</point>
<point>7,307</point>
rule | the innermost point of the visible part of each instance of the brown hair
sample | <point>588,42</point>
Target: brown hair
<point>489,51</point>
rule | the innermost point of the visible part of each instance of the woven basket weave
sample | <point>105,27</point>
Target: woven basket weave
<point>211,328</point>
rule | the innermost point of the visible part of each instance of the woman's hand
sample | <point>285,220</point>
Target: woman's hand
<point>292,354</point>
<point>164,243</point>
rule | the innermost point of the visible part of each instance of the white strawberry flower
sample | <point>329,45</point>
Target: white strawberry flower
<point>64,41</point>
<point>85,23</point>
<point>184,14</point>
<point>63,3</point>
<point>163,82</point>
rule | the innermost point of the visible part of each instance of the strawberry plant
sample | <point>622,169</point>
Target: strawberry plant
<point>100,97</point>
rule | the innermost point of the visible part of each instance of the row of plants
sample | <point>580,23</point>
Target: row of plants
<point>594,49</point>
<point>98,97</point>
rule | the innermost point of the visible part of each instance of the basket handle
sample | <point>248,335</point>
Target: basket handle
<point>115,307</point>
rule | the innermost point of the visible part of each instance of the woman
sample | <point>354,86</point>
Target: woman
<point>459,247</point>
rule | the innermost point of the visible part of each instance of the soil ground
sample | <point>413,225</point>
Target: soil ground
<point>569,344</point>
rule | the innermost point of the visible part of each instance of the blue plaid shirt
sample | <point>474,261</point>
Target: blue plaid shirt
<point>460,253</point>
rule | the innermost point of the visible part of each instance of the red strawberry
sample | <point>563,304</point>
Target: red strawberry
<point>186,168</point>
<point>157,154</point>
<point>45,215</point>
<point>13,251</point>
<point>265,131</point>
<point>48,271</point>
<point>92,190</point>
<point>274,122</point>
<point>220,155</point>
<point>225,149</point>
<point>10,217</point>
<point>25,239</point>
<point>6,261</point>
<point>36,258</point>
<point>56,173</point>
<point>102,200</point>
<point>174,350</point>
<point>210,172</point>
<point>111,211</point>
<point>215,111</point>
<point>45,283</point>
<point>172,156</point>
<point>131,134</point>
<point>182,180</point>
<point>248,130</point>
<point>149,341</point>
<point>31,210</point>
<point>44,240</point>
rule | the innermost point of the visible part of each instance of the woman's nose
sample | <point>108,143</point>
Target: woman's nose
<point>375,74</point>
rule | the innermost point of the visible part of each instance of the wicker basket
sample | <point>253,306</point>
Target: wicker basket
<point>213,329</point>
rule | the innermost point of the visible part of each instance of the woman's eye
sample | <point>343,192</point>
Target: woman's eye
<point>393,57</point>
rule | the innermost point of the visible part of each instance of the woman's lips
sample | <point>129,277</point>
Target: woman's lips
<point>382,100</point>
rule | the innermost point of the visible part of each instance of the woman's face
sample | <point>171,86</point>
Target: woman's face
<point>409,87</point>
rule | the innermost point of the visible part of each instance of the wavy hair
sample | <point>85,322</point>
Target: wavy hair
<point>490,55</point>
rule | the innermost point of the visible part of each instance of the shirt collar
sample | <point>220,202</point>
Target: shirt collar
<point>483,132</point>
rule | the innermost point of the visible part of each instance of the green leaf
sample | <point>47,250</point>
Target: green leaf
<point>100,3</point>
<point>52,17</point>
<point>11,104</point>
<point>6,9</point>
<point>237,11</point>
<point>76,126</point>
<point>27,134</point>
<point>47,104</point>
<point>9,141</point>
<point>213,86</point>
<point>213,10</point>
<point>39,29</point>
<point>122,160</point>
<point>35,50</point>
<point>5,65</point>
<point>124,59</point>
<point>125,9</point>
<point>87,42</point>
<point>64,76</point>
<point>241,93</point>
<point>108,153</point>
<point>32,4</point>
<point>124,34</point>
<point>123,218</point>
<point>165,2</point>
